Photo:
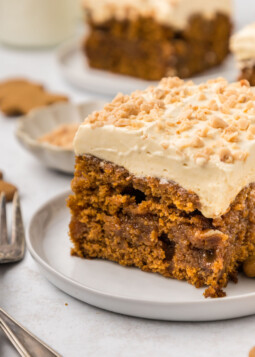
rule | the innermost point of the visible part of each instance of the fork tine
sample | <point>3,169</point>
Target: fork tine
<point>18,234</point>
<point>3,223</point>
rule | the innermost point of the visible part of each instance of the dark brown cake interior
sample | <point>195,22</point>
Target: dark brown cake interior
<point>157,226</point>
<point>248,73</point>
<point>146,49</point>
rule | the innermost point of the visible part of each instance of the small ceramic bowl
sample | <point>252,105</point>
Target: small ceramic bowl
<point>42,121</point>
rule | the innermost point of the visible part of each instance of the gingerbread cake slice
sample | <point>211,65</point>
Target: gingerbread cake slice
<point>165,181</point>
<point>151,39</point>
<point>242,46</point>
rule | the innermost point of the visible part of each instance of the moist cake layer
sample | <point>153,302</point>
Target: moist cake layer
<point>199,137</point>
<point>174,13</point>
<point>151,39</point>
<point>157,226</point>
<point>146,49</point>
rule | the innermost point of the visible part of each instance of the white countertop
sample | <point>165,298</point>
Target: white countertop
<point>78,330</point>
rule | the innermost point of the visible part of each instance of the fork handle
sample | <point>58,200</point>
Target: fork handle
<point>14,340</point>
<point>25,343</point>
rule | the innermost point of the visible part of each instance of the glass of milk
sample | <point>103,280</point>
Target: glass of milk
<point>37,23</point>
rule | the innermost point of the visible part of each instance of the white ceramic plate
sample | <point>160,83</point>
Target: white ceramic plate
<point>75,69</point>
<point>43,120</point>
<point>120,289</point>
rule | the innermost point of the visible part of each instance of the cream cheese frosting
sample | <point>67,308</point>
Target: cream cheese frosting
<point>175,13</point>
<point>242,44</point>
<point>201,137</point>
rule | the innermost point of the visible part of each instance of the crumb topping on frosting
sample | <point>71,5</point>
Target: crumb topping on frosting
<point>202,123</point>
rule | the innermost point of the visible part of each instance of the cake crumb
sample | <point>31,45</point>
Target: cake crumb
<point>8,189</point>
<point>218,123</point>
<point>226,156</point>
<point>252,352</point>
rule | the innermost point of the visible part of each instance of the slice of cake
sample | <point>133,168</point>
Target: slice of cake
<point>242,45</point>
<point>164,181</point>
<point>151,39</point>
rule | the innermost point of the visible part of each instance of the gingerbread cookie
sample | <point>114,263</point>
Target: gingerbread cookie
<point>19,96</point>
<point>8,189</point>
<point>1,175</point>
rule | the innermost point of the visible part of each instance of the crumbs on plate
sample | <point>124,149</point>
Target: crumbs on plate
<point>62,136</point>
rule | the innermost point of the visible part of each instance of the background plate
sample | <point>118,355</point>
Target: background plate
<point>75,69</point>
<point>125,290</point>
<point>41,121</point>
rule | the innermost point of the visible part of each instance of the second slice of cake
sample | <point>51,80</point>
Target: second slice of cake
<point>164,181</point>
<point>151,39</point>
<point>242,46</point>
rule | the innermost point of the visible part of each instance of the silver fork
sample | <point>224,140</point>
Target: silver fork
<point>27,344</point>
<point>11,250</point>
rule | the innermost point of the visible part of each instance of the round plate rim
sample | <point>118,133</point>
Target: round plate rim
<point>71,46</point>
<point>117,297</point>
